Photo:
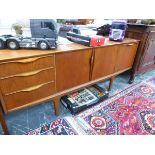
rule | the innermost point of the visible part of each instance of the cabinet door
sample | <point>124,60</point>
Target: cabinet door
<point>149,56</point>
<point>72,68</point>
<point>104,61</point>
<point>125,56</point>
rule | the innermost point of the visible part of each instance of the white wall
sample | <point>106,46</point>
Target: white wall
<point>5,26</point>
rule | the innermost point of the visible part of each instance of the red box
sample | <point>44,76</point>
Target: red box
<point>97,41</point>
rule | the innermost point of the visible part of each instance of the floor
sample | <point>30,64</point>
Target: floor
<point>22,121</point>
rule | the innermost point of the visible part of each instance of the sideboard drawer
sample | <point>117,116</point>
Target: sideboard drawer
<point>25,65</point>
<point>28,96</point>
<point>26,80</point>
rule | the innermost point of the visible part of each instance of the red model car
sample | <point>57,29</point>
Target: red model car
<point>85,36</point>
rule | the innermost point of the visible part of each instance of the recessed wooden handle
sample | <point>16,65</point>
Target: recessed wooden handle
<point>30,73</point>
<point>30,89</point>
<point>26,74</point>
<point>33,88</point>
<point>28,60</point>
<point>92,59</point>
<point>128,44</point>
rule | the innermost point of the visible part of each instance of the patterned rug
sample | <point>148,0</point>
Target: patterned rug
<point>131,112</point>
<point>151,81</point>
<point>58,127</point>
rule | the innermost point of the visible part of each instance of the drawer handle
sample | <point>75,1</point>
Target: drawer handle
<point>28,60</point>
<point>30,89</point>
<point>33,73</point>
<point>26,74</point>
<point>128,44</point>
<point>34,88</point>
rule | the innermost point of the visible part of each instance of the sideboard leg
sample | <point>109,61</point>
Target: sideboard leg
<point>111,82</point>
<point>56,105</point>
<point>132,78</point>
<point>3,123</point>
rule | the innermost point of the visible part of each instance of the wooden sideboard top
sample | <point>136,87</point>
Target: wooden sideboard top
<point>8,55</point>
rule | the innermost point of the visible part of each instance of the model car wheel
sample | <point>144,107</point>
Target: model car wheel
<point>43,45</point>
<point>13,44</point>
<point>2,44</point>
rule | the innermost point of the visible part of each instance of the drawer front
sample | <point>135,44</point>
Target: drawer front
<point>28,96</point>
<point>25,65</point>
<point>26,80</point>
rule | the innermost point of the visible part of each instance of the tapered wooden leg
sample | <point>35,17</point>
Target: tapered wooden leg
<point>57,105</point>
<point>111,82</point>
<point>3,123</point>
<point>132,78</point>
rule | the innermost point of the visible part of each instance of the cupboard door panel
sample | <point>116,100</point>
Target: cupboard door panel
<point>125,56</point>
<point>104,61</point>
<point>72,68</point>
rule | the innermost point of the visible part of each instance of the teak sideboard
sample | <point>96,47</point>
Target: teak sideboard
<point>28,77</point>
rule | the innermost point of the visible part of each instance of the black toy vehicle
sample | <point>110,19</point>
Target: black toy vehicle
<point>43,32</point>
<point>84,98</point>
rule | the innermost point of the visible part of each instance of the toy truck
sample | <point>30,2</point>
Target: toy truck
<point>43,36</point>
<point>117,30</point>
